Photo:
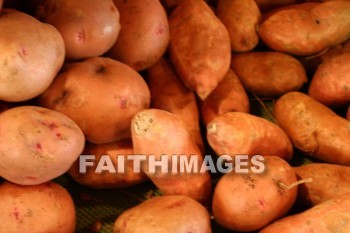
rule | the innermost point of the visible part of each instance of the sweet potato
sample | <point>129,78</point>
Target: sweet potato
<point>164,135</point>
<point>40,208</point>
<point>241,19</point>
<point>101,95</point>
<point>306,32</point>
<point>89,28</point>
<point>112,177</point>
<point>168,93</point>
<point>327,181</point>
<point>248,202</point>
<point>37,144</point>
<point>165,214</point>
<point>327,217</point>
<point>144,36</point>
<point>269,74</point>
<point>348,113</point>
<point>199,46</point>
<point>331,83</point>
<point>314,128</point>
<point>228,96</point>
<point>236,133</point>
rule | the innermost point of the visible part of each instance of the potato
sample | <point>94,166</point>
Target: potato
<point>241,19</point>
<point>327,181</point>
<point>144,36</point>
<point>31,56</point>
<point>327,217</point>
<point>313,128</point>
<point>101,95</point>
<point>42,208</point>
<point>199,46</point>
<point>331,83</point>
<point>37,144</point>
<point>168,93</point>
<point>113,178</point>
<point>1,2</point>
<point>171,3</point>
<point>266,5</point>
<point>165,214</point>
<point>269,74</point>
<point>228,96</point>
<point>163,136</point>
<point>306,32</point>
<point>250,201</point>
<point>237,133</point>
<point>89,28</point>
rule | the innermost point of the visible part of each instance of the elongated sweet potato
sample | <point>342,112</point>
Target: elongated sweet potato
<point>248,202</point>
<point>168,93</point>
<point>327,181</point>
<point>164,135</point>
<point>331,83</point>
<point>269,73</point>
<point>327,217</point>
<point>313,128</point>
<point>236,133</point>
<point>241,19</point>
<point>228,96</point>
<point>306,32</point>
<point>199,46</point>
<point>165,214</point>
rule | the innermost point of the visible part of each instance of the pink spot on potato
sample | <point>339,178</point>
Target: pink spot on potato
<point>160,30</point>
<point>80,36</point>
<point>123,103</point>
<point>261,203</point>
<point>16,213</point>
<point>38,146</point>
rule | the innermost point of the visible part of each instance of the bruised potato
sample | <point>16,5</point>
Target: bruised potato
<point>37,144</point>
<point>114,154</point>
<point>165,214</point>
<point>31,55</point>
<point>42,208</point>
<point>101,95</point>
<point>89,28</point>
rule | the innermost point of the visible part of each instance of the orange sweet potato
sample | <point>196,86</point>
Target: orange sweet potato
<point>158,132</point>
<point>241,19</point>
<point>199,46</point>
<point>314,128</point>
<point>168,93</point>
<point>236,133</point>
<point>228,96</point>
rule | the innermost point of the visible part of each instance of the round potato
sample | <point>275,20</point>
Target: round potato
<point>101,178</point>
<point>40,208</point>
<point>89,28</point>
<point>31,55</point>
<point>248,202</point>
<point>165,214</point>
<point>144,36</point>
<point>101,95</point>
<point>37,144</point>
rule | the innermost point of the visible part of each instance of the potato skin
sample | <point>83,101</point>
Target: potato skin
<point>241,198</point>
<point>237,133</point>
<point>30,57</point>
<point>269,74</point>
<point>314,128</point>
<point>161,133</point>
<point>330,84</point>
<point>165,214</point>
<point>306,32</point>
<point>168,93</point>
<point>108,180</point>
<point>89,28</point>
<point>327,217</point>
<point>228,96</point>
<point>328,181</point>
<point>40,208</point>
<point>199,46</point>
<point>37,144</point>
<point>144,36</point>
<point>101,95</point>
<point>241,19</point>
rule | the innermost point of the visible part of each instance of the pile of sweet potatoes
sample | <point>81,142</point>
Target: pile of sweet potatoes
<point>188,84</point>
